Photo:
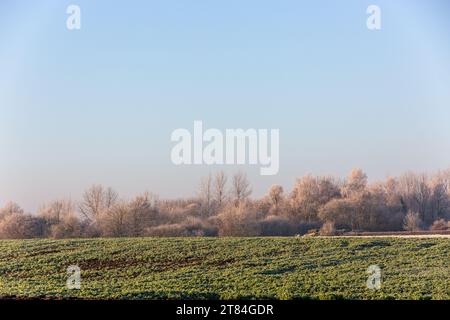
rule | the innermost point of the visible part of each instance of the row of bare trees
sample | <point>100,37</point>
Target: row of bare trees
<point>223,207</point>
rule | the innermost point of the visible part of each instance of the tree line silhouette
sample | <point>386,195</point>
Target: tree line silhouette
<point>223,207</point>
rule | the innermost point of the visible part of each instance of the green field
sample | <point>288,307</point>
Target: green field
<point>227,268</point>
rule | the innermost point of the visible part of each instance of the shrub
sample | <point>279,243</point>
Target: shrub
<point>412,222</point>
<point>167,230</point>
<point>69,227</point>
<point>91,229</point>
<point>276,226</point>
<point>238,221</point>
<point>328,229</point>
<point>304,228</point>
<point>21,226</point>
<point>191,227</point>
<point>440,225</point>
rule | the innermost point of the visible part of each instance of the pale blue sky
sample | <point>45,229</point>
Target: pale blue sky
<point>98,105</point>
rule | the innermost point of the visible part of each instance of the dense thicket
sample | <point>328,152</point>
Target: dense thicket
<point>224,208</point>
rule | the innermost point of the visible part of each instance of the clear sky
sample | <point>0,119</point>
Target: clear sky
<point>98,105</point>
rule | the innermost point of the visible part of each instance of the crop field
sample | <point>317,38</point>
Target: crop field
<point>226,268</point>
